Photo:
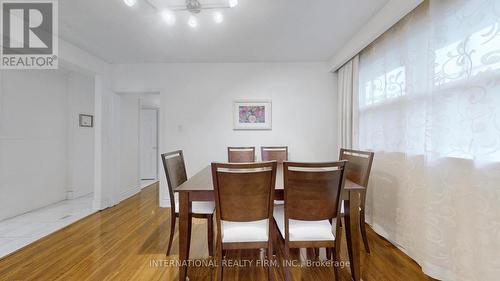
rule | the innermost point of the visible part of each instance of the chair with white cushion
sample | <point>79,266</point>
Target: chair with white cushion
<point>278,153</point>
<point>312,200</point>
<point>244,195</point>
<point>358,170</point>
<point>175,171</point>
<point>241,154</point>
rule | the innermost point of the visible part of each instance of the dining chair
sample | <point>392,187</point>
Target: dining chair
<point>244,194</point>
<point>308,219</point>
<point>358,168</point>
<point>278,153</point>
<point>241,154</point>
<point>175,171</point>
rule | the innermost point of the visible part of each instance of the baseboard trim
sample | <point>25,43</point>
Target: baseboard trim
<point>129,193</point>
<point>70,194</point>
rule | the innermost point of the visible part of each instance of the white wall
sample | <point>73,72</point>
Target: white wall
<point>80,139</point>
<point>106,177</point>
<point>120,143</point>
<point>107,145</point>
<point>35,118</point>
<point>129,146</point>
<point>32,140</point>
<point>197,101</point>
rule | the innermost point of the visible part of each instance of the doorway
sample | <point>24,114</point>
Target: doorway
<point>148,142</point>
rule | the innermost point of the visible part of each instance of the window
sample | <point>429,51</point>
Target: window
<point>387,86</point>
<point>476,54</point>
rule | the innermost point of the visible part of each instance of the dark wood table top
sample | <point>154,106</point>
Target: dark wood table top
<point>202,181</point>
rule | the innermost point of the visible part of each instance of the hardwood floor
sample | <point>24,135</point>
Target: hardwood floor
<point>128,242</point>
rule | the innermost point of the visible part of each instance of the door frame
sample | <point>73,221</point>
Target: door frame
<point>142,107</point>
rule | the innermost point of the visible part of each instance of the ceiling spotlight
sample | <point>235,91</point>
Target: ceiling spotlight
<point>130,3</point>
<point>192,7</point>
<point>168,17</point>
<point>233,3</point>
<point>218,17</point>
<point>192,21</point>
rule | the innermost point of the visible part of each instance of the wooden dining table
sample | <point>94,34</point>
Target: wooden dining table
<point>200,188</point>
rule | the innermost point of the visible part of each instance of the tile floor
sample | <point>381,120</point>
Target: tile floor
<point>24,229</point>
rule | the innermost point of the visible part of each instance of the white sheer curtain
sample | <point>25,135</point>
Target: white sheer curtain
<point>348,103</point>
<point>429,106</point>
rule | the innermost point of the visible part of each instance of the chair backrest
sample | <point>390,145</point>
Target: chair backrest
<point>358,166</point>
<point>244,191</point>
<point>278,153</point>
<point>313,190</point>
<point>175,171</point>
<point>241,154</point>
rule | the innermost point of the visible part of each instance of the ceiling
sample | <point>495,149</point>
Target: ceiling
<point>253,31</point>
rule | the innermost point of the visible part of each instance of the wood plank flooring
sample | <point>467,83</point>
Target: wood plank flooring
<point>128,242</point>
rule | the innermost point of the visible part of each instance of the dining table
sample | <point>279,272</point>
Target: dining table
<point>200,188</point>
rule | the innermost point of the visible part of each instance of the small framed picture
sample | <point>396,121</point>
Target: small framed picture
<point>252,115</point>
<point>86,120</point>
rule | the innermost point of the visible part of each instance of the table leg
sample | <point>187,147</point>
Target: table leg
<point>184,233</point>
<point>352,233</point>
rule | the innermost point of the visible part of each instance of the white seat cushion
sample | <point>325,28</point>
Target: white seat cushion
<point>304,230</point>
<point>198,207</point>
<point>255,231</point>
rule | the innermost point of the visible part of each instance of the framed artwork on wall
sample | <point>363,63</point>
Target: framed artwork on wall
<point>86,120</point>
<point>252,115</point>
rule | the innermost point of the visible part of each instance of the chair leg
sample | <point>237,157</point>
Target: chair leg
<point>287,260</point>
<point>270,258</point>
<point>310,253</point>
<point>270,271</point>
<point>210,235</point>
<point>172,231</point>
<point>336,251</point>
<point>276,236</point>
<point>362,227</point>
<point>336,270</point>
<point>338,240</point>
<point>329,250</point>
<point>220,270</point>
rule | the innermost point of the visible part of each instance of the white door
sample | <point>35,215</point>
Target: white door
<point>149,144</point>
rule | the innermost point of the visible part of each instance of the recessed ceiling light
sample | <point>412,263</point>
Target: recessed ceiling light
<point>168,17</point>
<point>192,21</point>
<point>130,3</point>
<point>233,3</point>
<point>218,17</point>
